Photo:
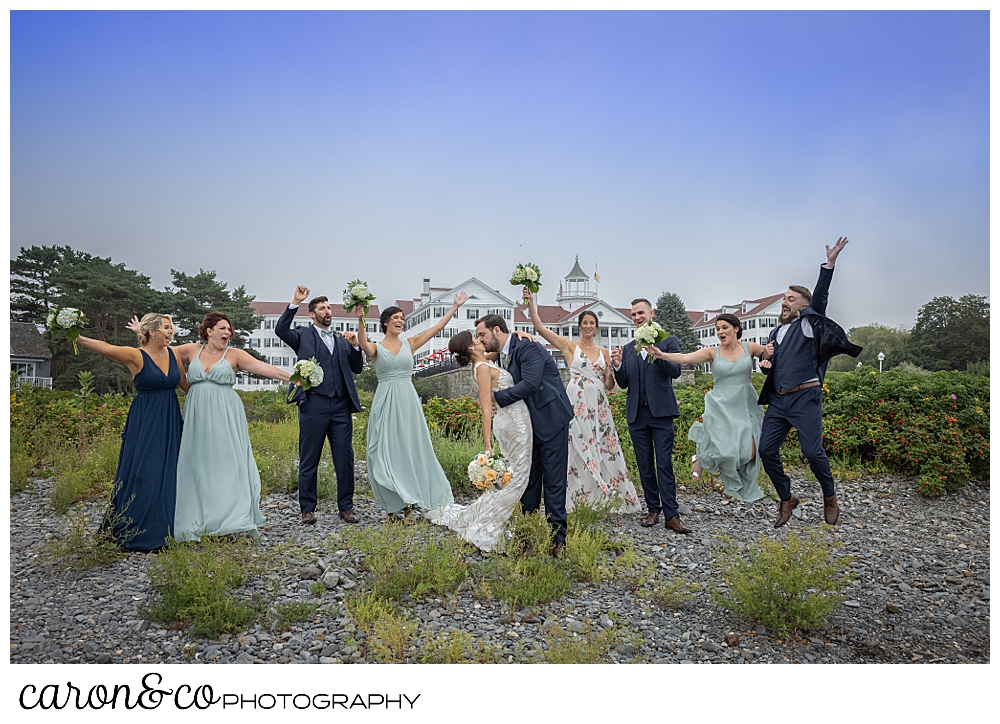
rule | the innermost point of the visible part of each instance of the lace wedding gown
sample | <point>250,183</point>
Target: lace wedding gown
<point>483,522</point>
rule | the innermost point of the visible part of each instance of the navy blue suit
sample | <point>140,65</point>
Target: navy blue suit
<point>795,361</point>
<point>537,382</point>
<point>324,411</point>
<point>650,410</point>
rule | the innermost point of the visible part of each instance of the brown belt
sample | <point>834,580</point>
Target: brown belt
<point>814,383</point>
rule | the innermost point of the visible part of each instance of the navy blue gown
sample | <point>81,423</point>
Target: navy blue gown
<point>142,502</point>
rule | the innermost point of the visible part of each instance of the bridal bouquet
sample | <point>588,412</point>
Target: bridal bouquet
<point>68,320</point>
<point>356,295</point>
<point>489,471</point>
<point>647,334</point>
<point>308,372</point>
<point>527,275</point>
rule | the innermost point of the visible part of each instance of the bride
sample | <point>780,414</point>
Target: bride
<point>483,522</point>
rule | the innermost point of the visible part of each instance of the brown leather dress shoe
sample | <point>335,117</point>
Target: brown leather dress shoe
<point>348,516</point>
<point>831,511</point>
<point>785,509</point>
<point>309,518</point>
<point>557,549</point>
<point>676,525</point>
<point>650,520</point>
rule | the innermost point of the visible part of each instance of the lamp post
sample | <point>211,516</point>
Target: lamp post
<point>880,358</point>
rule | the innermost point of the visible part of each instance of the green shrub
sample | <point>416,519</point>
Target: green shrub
<point>86,470</point>
<point>452,646</point>
<point>286,613</point>
<point>675,593</point>
<point>456,416</point>
<point>585,553</point>
<point>21,463</point>
<point>392,637</point>
<point>367,608</point>
<point>526,582</point>
<point>83,548</point>
<point>276,450</point>
<point>194,581</point>
<point>407,560</point>
<point>787,587</point>
<point>588,647</point>
<point>632,570</point>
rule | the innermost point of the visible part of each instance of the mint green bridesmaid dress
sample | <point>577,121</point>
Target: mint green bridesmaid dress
<point>730,429</point>
<point>402,467</point>
<point>218,485</point>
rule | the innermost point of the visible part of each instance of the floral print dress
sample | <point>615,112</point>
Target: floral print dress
<point>597,471</point>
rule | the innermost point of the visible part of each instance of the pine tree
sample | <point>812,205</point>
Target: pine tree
<point>197,295</point>
<point>32,290</point>
<point>672,316</point>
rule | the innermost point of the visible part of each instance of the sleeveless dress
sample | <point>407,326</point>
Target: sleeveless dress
<point>730,430</point>
<point>141,510</point>
<point>483,522</point>
<point>402,467</point>
<point>597,470</point>
<point>218,486</point>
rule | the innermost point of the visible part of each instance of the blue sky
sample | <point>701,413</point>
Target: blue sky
<point>707,154</point>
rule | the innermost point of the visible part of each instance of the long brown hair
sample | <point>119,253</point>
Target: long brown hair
<point>211,319</point>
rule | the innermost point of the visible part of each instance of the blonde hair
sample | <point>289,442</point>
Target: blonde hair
<point>149,323</point>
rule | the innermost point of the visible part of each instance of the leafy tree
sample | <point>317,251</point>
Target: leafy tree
<point>109,294</point>
<point>672,316</point>
<point>951,333</point>
<point>32,290</point>
<point>197,295</point>
<point>874,338</point>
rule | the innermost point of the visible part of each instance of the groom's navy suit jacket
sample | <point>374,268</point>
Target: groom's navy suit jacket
<point>656,379</point>
<point>307,343</point>
<point>537,382</point>
<point>799,358</point>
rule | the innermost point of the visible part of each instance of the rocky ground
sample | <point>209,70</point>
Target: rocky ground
<point>921,595</point>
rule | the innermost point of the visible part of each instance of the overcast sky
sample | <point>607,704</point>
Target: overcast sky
<point>708,154</point>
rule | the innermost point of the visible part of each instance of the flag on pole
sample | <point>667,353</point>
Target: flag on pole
<point>597,277</point>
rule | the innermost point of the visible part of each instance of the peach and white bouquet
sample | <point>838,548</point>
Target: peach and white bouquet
<point>490,471</point>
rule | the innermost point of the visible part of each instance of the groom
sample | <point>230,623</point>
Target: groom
<point>650,409</point>
<point>537,382</point>
<point>325,410</point>
<point>802,344</point>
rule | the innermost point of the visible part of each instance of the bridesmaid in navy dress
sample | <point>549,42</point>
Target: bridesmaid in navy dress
<point>141,514</point>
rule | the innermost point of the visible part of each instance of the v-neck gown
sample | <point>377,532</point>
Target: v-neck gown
<point>218,485</point>
<point>141,512</point>
<point>730,428</point>
<point>402,467</point>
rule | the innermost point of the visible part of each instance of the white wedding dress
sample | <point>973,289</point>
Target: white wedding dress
<point>483,522</point>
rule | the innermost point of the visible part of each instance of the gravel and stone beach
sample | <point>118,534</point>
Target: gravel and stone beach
<point>921,595</point>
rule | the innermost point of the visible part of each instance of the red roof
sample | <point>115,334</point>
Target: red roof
<point>759,305</point>
<point>406,305</point>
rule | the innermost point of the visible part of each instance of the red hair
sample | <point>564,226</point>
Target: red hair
<point>211,319</point>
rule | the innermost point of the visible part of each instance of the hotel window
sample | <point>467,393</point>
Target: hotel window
<point>604,333</point>
<point>614,333</point>
<point>267,341</point>
<point>565,332</point>
<point>576,331</point>
<point>472,314</point>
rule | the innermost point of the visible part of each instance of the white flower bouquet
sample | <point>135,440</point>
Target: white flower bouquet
<point>647,334</point>
<point>356,295</point>
<point>490,471</point>
<point>68,320</point>
<point>308,372</point>
<point>527,275</point>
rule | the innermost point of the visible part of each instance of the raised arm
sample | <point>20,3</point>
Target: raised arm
<point>424,337</point>
<point>566,346</point>
<point>248,363</point>
<point>283,329</point>
<point>367,347</point>
<point>705,354</point>
<point>486,403</point>
<point>617,363</point>
<point>128,356</point>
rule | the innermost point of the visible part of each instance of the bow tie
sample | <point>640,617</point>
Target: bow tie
<point>329,333</point>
